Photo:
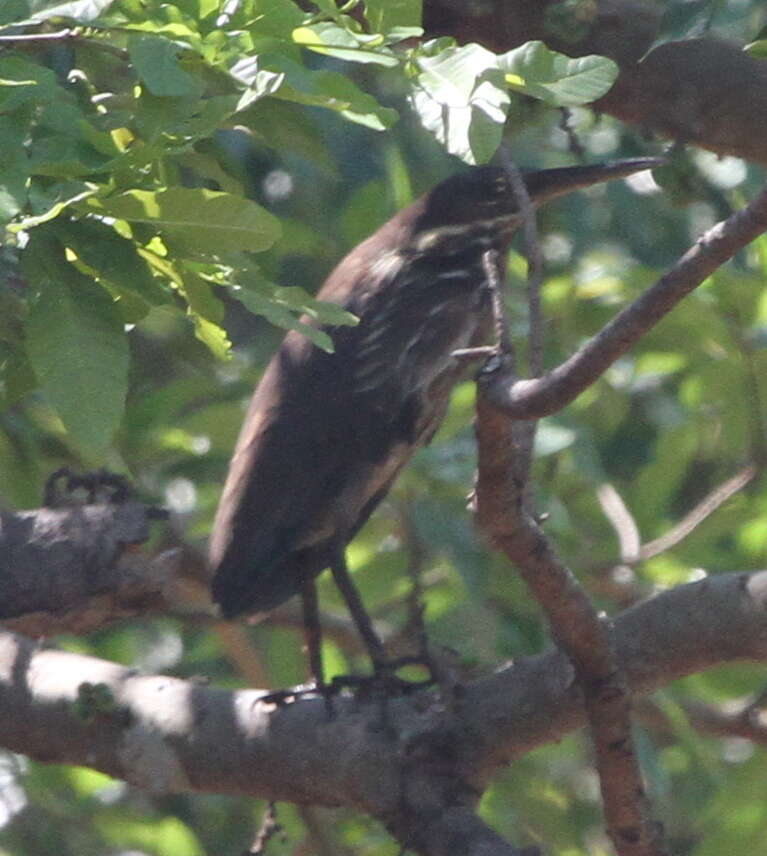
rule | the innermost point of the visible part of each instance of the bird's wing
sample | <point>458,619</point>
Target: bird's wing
<point>309,459</point>
<point>325,436</point>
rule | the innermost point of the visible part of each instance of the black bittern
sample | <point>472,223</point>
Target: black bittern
<point>326,434</point>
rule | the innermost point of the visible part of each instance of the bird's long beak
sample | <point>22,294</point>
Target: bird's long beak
<point>546,184</point>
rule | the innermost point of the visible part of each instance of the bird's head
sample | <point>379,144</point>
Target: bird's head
<point>482,201</point>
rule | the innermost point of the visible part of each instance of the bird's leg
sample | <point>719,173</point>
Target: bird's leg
<point>384,671</point>
<point>313,641</point>
<point>313,644</point>
<point>312,633</point>
<point>353,600</point>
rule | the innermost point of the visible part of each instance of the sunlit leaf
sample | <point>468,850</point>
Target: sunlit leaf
<point>80,10</point>
<point>204,220</point>
<point>557,79</point>
<point>461,99</point>
<point>330,39</point>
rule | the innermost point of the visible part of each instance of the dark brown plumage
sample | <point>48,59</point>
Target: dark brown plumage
<point>327,434</point>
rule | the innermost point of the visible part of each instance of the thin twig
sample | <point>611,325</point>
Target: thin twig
<point>622,521</point>
<point>632,552</point>
<point>747,721</point>
<point>491,266</point>
<point>707,506</point>
<point>57,36</point>
<point>70,34</point>
<point>468,354</point>
<point>523,432</point>
<point>573,143</point>
<point>545,395</point>
<point>534,257</point>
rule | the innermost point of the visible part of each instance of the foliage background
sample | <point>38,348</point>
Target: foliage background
<point>332,148</point>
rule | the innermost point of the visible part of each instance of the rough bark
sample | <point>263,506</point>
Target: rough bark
<point>75,569</point>
<point>703,91</point>
<point>421,767</point>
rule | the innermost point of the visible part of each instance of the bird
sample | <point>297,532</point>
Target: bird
<point>327,434</point>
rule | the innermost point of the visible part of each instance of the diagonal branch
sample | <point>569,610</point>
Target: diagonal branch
<point>525,399</point>
<point>585,638</point>
<point>706,507</point>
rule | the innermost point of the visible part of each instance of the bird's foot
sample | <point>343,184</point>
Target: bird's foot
<point>312,689</point>
<point>385,682</point>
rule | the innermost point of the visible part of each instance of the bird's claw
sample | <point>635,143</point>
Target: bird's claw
<point>289,695</point>
<point>385,682</point>
<point>382,683</point>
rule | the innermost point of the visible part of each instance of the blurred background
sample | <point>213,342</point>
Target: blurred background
<point>668,424</point>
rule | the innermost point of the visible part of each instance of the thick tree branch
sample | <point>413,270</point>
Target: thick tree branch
<point>585,638</point>
<point>74,569</point>
<point>545,395</point>
<point>701,91</point>
<point>165,734</point>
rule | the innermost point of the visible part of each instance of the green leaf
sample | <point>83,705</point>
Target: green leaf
<point>77,346</point>
<point>201,220</point>
<point>331,90</point>
<point>330,39</point>
<point>284,125</point>
<point>552,438</point>
<point>13,10</point>
<point>342,94</point>
<point>16,377</point>
<point>282,307</point>
<point>167,836</point>
<point>24,81</point>
<point>114,259</point>
<point>203,306</point>
<point>200,297</point>
<point>365,209</point>
<point>173,26</point>
<point>55,209</point>
<point>319,310</point>
<point>208,167</point>
<point>176,121</point>
<point>156,62</point>
<point>80,10</point>
<point>283,317</point>
<point>65,157</point>
<point>14,168</point>
<point>450,77</point>
<point>212,336</point>
<point>462,100</point>
<point>267,17</point>
<point>399,34</point>
<point>260,82</point>
<point>557,79</point>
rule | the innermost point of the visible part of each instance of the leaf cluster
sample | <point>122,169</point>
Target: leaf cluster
<point>148,151</point>
<point>117,199</point>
